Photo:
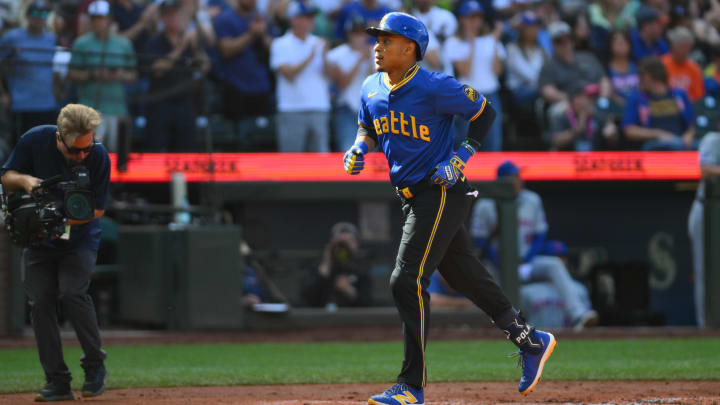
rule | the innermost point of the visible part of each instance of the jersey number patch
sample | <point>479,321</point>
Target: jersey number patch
<point>471,93</point>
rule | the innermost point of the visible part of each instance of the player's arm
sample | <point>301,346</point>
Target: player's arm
<point>365,141</point>
<point>449,171</point>
<point>454,98</point>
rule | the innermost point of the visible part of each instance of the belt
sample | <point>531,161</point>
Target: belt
<point>411,191</point>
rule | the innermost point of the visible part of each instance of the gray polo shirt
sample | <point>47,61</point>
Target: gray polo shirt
<point>563,75</point>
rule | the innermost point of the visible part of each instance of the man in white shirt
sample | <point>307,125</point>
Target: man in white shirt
<point>439,21</point>
<point>350,63</point>
<point>303,95</point>
<point>478,56</point>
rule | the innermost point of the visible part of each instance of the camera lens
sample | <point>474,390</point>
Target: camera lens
<point>78,206</point>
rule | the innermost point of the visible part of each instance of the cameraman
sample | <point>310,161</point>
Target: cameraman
<point>60,269</point>
<point>342,278</point>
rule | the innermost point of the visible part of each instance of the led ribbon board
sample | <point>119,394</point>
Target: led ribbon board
<point>320,167</point>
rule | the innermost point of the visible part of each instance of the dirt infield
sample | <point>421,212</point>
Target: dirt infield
<point>476,393</point>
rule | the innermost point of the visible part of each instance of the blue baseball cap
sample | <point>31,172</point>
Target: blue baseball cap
<point>507,168</point>
<point>299,7</point>
<point>529,18</point>
<point>469,7</point>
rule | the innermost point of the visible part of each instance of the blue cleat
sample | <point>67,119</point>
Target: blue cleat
<point>532,364</point>
<point>399,394</point>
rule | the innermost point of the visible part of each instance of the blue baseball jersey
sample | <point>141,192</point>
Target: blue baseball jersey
<point>413,119</point>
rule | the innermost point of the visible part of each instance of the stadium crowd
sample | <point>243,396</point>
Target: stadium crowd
<point>285,75</point>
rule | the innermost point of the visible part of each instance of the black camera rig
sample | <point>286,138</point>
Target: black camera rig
<point>32,218</point>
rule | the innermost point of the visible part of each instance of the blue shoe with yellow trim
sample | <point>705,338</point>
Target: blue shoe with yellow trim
<point>399,394</point>
<point>532,364</point>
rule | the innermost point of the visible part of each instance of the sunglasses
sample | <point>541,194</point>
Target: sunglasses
<point>75,151</point>
<point>39,13</point>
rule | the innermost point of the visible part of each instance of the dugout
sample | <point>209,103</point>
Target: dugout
<point>641,222</point>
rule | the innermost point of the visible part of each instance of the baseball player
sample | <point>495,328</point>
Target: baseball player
<point>709,152</point>
<point>537,263</point>
<point>409,111</point>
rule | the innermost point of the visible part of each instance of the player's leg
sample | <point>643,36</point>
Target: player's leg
<point>552,269</point>
<point>74,271</point>
<point>464,272</point>
<point>41,285</point>
<point>429,225</point>
<point>696,229</point>
<point>467,275</point>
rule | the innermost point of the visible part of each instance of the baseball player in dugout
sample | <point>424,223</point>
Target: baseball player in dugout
<point>58,269</point>
<point>409,111</point>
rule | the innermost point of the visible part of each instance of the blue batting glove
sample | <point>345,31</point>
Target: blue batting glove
<point>354,159</point>
<point>446,174</point>
<point>461,157</point>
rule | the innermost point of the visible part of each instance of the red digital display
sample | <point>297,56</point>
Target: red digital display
<point>318,167</point>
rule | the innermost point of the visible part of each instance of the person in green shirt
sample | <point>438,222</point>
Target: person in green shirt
<point>101,65</point>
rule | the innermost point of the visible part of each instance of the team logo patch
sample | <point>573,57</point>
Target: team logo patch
<point>471,93</point>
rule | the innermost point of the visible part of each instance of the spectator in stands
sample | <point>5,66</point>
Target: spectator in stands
<point>371,11</point>
<point>349,63</point>
<point>196,18</point>
<point>9,14</point>
<point>478,56</point>
<point>28,53</point>
<point>621,68</point>
<point>101,64</point>
<point>82,17</point>
<point>174,56</point>
<point>546,11</point>
<point>303,94</point>
<point>568,68</point>
<point>441,25</point>
<point>683,73</point>
<point>705,23</point>
<point>441,22</point>
<point>63,22</point>
<point>525,59</point>
<point>656,115</point>
<point>607,16</point>
<point>647,38</point>
<point>244,41</point>
<point>580,32</point>
<point>342,278</point>
<point>538,258</point>
<point>135,21</point>
<point>580,128</point>
<point>712,73</point>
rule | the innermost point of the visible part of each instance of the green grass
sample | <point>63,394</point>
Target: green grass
<point>280,363</point>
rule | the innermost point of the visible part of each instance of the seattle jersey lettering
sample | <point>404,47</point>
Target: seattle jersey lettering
<point>401,124</point>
